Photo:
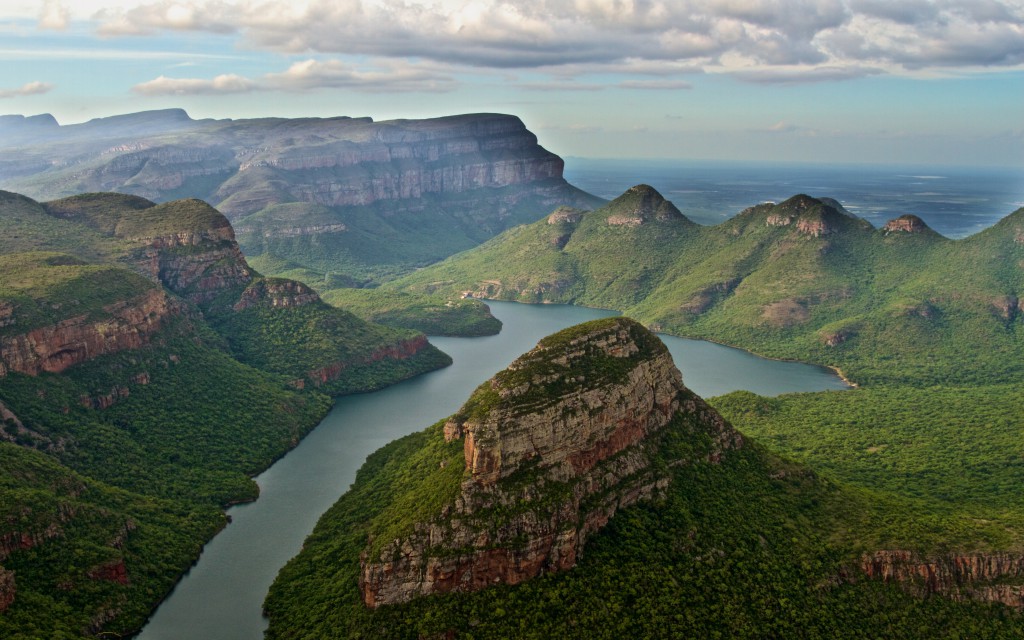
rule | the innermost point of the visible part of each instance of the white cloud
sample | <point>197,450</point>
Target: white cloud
<point>162,86</point>
<point>29,89</point>
<point>309,75</point>
<point>568,38</point>
<point>54,15</point>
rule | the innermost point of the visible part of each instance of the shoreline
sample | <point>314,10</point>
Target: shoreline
<point>836,370</point>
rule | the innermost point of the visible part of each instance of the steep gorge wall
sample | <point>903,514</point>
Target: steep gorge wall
<point>129,325</point>
<point>556,424</point>
<point>991,577</point>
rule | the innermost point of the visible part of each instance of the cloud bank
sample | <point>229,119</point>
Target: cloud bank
<point>308,75</point>
<point>654,35</point>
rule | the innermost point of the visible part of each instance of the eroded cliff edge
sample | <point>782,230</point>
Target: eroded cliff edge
<point>552,447</point>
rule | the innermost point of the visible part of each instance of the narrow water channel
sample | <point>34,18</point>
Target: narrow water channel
<point>221,597</point>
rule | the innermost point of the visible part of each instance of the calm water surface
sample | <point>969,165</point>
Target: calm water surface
<point>221,597</point>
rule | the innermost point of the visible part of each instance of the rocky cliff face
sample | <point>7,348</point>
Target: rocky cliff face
<point>332,161</point>
<point>905,224</point>
<point>8,589</point>
<point>127,325</point>
<point>553,447</point>
<point>276,292</point>
<point>471,176</point>
<point>993,577</point>
<point>809,216</point>
<point>198,264</point>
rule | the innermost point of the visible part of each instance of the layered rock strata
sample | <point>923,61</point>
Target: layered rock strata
<point>127,325</point>
<point>276,292</point>
<point>905,224</point>
<point>553,447</point>
<point>991,577</point>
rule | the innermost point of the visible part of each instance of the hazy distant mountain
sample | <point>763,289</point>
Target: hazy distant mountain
<point>326,194</point>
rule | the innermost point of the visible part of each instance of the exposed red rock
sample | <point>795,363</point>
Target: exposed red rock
<point>276,292</point>
<point>8,589</point>
<point>593,436</point>
<point>114,571</point>
<point>130,324</point>
<point>399,351</point>
<point>21,540</point>
<point>213,263</point>
<point>993,577</point>
<point>905,224</point>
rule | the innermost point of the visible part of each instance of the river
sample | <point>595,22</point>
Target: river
<point>221,597</point>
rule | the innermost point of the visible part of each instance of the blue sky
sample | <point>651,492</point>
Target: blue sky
<point>915,81</point>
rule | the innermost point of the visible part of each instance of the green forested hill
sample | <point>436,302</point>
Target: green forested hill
<point>929,445</point>
<point>743,544</point>
<point>801,279</point>
<point>146,374</point>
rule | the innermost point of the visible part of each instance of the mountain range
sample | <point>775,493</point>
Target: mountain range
<point>340,200</point>
<point>151,363</point>
<point>801,279</point>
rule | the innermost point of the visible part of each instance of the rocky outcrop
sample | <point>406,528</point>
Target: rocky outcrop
<point>905,224</point>
<point>8,589</point>
<point>126,325</point>
<point>835,338</point>
<point>992,577</point>
<point>553,446</point>
<point>809,216</point>
<point>1007,307</point>
<point>401,350</point>
<point>197,265</point>
<point>276,292</point>
<point>113,571</point>
<point>640,205</point>
<point>565,215</point>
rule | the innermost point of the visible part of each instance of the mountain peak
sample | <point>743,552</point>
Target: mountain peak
<point>553,446</point>
<point>641,204</point>
<point>908,223</point>
<point>811,216</point>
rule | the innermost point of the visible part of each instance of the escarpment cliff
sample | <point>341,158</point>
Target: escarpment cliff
<point>552,447</point>
<point>370,187</point>
<point>990,577</point>
<point>127,324</point>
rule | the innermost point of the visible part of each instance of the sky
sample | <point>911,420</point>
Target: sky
<point>860,81</point>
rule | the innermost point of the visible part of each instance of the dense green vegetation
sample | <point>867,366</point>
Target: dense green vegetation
<point>750,547</point>
<point>433,315</point>
<point>955,449</point>
<point>60,581</point>
<point>300,340</point>
<point>115,471</point>
<point>41,288</point>
<point>885,307</point>
<point>924,456</point>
